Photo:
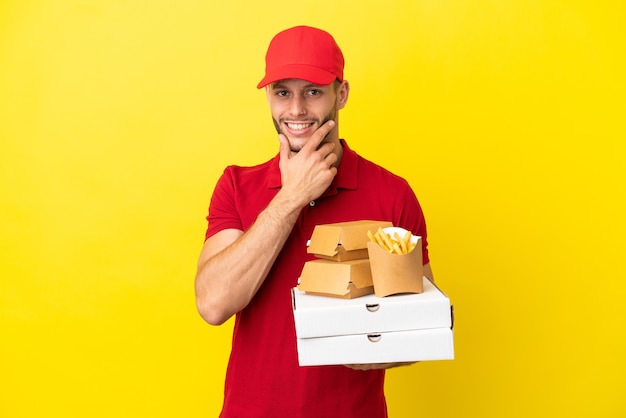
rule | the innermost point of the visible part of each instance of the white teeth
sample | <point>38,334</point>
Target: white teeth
<point>298,126</point>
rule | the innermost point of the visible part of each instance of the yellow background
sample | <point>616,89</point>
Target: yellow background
<point>117,117</point>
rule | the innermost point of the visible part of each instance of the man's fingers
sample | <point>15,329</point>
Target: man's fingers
<point>319,135</point>
<point>285,148</point>
<point>331,157</point>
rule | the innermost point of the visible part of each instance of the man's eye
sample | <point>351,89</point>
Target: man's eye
<point>281,93</point>
<point>314,92</point>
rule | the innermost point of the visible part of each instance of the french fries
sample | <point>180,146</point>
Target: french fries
<point>393,244</point>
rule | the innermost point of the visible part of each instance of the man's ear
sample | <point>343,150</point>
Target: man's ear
<point>342,94</point>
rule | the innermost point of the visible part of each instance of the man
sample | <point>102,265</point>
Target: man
<point>259,221</point>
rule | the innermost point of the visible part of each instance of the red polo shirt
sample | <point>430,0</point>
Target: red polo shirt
<point>263,378</point>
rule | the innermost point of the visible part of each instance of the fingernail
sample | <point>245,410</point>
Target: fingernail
<point>331,123</point>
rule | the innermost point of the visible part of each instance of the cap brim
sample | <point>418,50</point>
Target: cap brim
<point>311,74</point>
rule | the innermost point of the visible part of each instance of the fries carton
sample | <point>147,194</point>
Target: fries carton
<point>343,241</point>
<point>396,273</point>
<point>347,279</point>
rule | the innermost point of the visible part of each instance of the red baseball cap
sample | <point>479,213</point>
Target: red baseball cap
<point>304,53</point>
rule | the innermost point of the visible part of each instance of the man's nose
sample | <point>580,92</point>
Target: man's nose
<point>297,107</point>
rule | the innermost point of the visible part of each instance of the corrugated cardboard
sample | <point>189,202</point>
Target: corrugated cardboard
<point>347,279</point>
<point>317,316</point>
<point>343,241</point>
<point>396,273</point>
<point>403,346</point>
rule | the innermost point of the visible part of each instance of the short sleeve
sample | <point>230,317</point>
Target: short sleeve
<point>223,213</point>
<point>411,217</point>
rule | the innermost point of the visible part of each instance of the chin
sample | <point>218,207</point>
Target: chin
<point>296,144</point>
<point>296,147</point>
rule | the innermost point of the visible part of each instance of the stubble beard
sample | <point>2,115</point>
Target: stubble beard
<point>332,115</point>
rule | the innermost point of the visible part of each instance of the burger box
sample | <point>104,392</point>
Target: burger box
<point>345,279</point>
<point>370,329</point>
<point>343,241</point>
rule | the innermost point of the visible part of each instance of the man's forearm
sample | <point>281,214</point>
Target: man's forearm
<point>228,279</point>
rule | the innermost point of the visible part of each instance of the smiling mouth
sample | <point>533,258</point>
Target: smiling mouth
<point>298,126</point>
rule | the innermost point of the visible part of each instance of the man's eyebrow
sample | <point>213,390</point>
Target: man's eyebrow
<point>280,85</point>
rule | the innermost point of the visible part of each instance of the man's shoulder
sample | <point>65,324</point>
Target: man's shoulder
<point>252,178</point>
<point>367,166</point>
<point>256,169</point>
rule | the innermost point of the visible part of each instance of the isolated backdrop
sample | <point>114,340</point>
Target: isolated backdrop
<point>117,117</point>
